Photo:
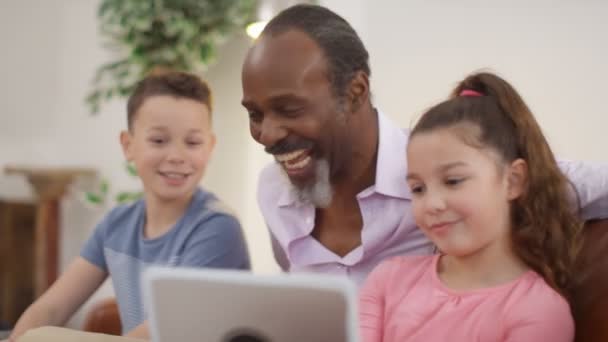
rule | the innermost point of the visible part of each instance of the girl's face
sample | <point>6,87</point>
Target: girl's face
<point>461,194</point>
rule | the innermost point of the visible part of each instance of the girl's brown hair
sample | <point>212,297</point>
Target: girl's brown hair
<point>545,224</point>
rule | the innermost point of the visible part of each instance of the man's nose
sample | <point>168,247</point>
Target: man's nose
<point>271,132</point>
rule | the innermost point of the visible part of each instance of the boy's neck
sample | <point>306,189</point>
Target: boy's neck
<point>492,266</point>
<point>161,215</point>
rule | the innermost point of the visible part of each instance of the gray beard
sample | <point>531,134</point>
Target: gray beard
<point>319,193</point>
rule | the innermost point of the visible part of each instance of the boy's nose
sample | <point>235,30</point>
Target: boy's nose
<point>176,155</point>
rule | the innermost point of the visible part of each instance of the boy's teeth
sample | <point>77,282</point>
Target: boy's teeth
<point>175,175</point>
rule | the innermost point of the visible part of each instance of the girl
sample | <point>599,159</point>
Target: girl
<point>487,191</point>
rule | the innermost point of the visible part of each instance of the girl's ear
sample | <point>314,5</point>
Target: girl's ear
<point>517,179</point>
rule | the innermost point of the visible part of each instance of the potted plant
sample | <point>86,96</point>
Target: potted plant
<point>148,35</point>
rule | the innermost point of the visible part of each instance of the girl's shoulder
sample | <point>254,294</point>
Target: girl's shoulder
<point>400,268</point>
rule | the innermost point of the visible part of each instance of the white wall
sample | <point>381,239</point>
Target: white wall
<point>554,52</point>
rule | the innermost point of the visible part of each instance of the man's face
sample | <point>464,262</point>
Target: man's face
<point>294,113</point>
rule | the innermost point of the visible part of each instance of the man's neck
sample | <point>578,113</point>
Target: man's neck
<point>361,172</point>
<point>162,215</point>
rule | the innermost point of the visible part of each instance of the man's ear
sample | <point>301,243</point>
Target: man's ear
<point>125,142</point>
<point>358,92</point>
<point>517,179</point>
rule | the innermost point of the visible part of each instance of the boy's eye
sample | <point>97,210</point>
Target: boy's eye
<point>157,141</point>
<point>194,142</point>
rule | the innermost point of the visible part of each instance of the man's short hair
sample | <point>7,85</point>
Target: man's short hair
<point>344,50</point>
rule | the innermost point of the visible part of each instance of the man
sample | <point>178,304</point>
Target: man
<point>336,200</point>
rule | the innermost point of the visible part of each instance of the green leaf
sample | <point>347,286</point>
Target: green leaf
<point>104,187</point>
<point>126,197</point>
<point>131,169</point>
<point>122,197</point>
<point>179,34</point>
<point>93,198</point>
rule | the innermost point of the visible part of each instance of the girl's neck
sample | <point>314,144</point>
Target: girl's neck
<point>162,215</point>
<point>493,265</point>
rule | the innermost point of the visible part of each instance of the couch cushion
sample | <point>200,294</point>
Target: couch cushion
<point>590,299</point>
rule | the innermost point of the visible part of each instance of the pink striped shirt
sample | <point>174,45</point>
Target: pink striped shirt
<point>404,300</point>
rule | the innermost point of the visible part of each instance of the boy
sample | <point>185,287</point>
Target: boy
<point>169,140</point>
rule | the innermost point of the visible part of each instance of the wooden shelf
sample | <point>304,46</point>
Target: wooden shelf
<point>49,184</point>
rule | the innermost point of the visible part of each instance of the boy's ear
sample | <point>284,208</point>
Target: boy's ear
<point>125,142</point>
<point>211,143</point>
<point>517,179</point>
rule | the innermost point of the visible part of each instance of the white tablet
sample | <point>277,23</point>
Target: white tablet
<point>231,306</point>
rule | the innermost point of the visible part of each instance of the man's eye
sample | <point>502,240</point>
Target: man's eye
<point>290,111</point>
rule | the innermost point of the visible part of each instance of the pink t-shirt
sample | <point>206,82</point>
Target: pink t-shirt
<point>404,300</point>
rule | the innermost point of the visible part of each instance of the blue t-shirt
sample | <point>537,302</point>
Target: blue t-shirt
<point>207,235</point>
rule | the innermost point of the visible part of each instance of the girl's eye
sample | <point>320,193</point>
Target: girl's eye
<point>416,189</point>
<point>454,181</point>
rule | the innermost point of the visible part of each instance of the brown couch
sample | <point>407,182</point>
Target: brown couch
<point>590,303</point>
<point>103,318</point>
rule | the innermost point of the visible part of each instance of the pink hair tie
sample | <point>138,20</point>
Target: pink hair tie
<point>470,92</point>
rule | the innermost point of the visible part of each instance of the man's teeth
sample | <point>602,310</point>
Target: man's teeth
<point>297,165</point>
<point>289,156</point>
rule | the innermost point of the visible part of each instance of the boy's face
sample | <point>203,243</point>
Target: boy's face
<point>170,143</point>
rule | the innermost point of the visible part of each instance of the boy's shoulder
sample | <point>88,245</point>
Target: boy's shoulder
<point>124,213</point>
<point>206,205</point>
<point>207,214</point>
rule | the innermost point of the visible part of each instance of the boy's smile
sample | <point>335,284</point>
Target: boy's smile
<point>170,143</point>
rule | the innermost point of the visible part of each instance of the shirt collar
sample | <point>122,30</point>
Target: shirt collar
<point>391,165</point>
